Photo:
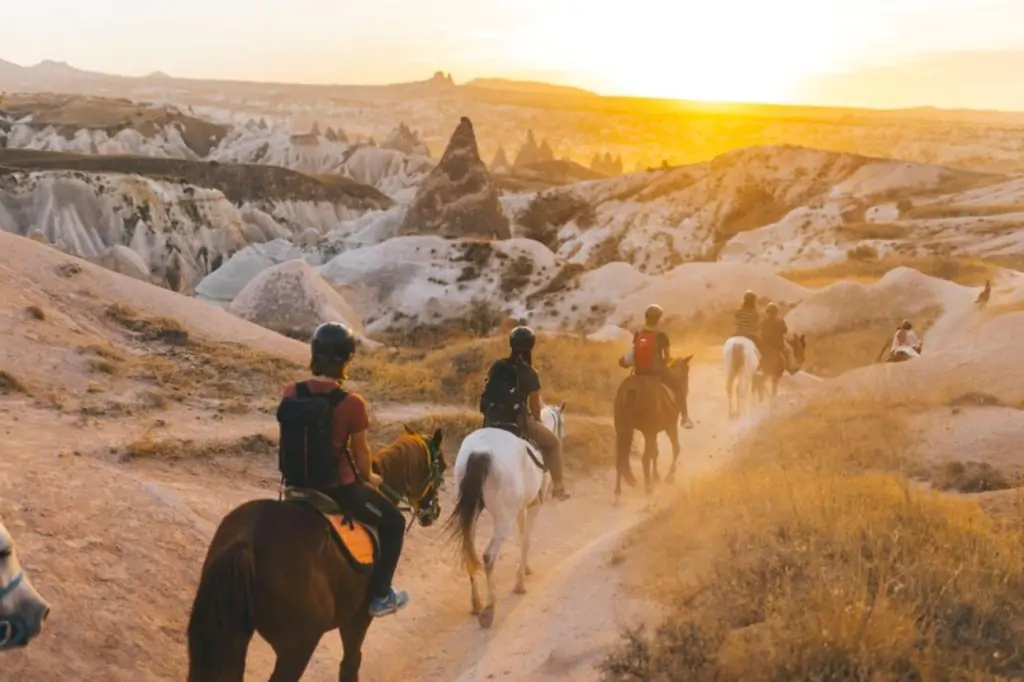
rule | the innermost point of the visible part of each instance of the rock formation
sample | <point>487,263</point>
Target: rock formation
<point>292,299</point>
<point>500,162</point>
<point>404,139</point>
<point>458,197</point>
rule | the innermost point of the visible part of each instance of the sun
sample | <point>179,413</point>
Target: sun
<point>714,50</point>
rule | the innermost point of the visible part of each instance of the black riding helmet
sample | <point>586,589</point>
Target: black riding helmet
<point>521,339</point>
<point>332,344</point>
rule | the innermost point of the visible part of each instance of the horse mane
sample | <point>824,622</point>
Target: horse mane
<point>401,463</point>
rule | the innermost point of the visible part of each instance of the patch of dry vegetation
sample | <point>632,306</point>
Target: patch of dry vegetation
<point>814,558</point>
<point>571,369</point>
<point>227,376</point>
<point>177,450</point>
<point>962,270</point>
<point>10,384</point>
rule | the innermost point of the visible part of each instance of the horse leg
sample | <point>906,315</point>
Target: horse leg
<point>650,444</point>
<point>729,382</point>
<point>476,606</point>
<point>526,529</point>
<point>501,532</point>
<point>673,438</point>
<point>293,658</point>
<point>352,637</point>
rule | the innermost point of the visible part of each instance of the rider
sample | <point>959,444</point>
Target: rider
<point>905,338</point>
<point>748,321</point>
<point>332,348</point>
<point>773,334</point>
<point>519,394</point>
<point>652,355</point>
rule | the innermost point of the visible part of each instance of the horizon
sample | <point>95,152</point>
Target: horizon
<point>877,54</point>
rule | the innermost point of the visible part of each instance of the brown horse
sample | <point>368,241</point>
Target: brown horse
<point>774,364</point>
<point>274,568</point>
<point>643,404</point>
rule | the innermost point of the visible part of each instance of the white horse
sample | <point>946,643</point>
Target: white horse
<point>741,361</point>
<point>501,473</point>
<point>22,610</point>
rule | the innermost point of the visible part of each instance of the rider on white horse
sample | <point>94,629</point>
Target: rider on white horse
<point>748,321</point>
<point>905,341</point>
<point>511,399</point>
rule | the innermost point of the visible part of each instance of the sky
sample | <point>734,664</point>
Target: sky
<point>857,52</point>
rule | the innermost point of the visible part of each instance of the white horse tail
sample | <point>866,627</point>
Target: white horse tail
<point>468,505</point>
<point>737,358</point>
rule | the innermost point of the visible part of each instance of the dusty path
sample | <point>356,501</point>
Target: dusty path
<point>121,542</point>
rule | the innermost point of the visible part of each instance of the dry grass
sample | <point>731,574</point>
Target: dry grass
<point>226,376</point>
<point>812,558</point>
<point>574,370</point>
<point>589,443</point>
<point>10,385</point>
<point>175,450</point>
<point>885,231</point>
<point>831,353</point>
<point>936,211</point>
<point>962,270</point>
<point>35,313</point>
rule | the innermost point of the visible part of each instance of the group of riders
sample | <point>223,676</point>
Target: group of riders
<point>510,400</point>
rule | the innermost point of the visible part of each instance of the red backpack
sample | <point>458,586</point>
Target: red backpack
<point>645,348</point>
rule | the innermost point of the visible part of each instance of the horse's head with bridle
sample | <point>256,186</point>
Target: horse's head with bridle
<point>414,469</point>
<point>680,369</point>
<point>22,610</point>
<point>799,345</point>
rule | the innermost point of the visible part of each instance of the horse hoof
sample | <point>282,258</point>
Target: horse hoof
<point>520,588</point>
<point>487,618</point>
<point>670,478</point>
<point>529,571</point>
<point>475,610</point>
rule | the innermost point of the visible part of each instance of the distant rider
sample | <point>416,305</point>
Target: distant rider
<point>773,335</point>
<point>748,321</point>
<point>511,396</point>
<point>905,340</point>
<point>652,356</point>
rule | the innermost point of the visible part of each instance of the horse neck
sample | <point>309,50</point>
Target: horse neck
<point>402,464</point>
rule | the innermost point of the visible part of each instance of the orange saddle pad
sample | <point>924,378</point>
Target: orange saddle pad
<point>358,541</point>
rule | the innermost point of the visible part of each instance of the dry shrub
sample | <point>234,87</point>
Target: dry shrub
<point>547,213</point>
<point>571,369</point>
<point>9,384</point>
<point>816,561</point>
<point>162,329</point>
<point>885,231</point>
<point>35,312</point>
<point>862,253</point>
<point>175,450</point>
<point>971,477</point>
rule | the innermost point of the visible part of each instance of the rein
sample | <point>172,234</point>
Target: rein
<point>13,585</point>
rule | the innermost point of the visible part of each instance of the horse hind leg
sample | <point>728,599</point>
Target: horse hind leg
<point>673,437</point>
<point>650,446</point>
<point>476,605</point>
<point>352,637</point>
<point>293,657</point>
<point>526,530</point>
<point>501,532</point>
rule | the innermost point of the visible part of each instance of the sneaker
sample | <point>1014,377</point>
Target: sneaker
<point>560,494</point>
<point>685,421</point>
<point>386,605</point>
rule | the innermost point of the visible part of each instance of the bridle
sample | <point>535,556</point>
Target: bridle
<point>431,484</point>
<point>10,632</point>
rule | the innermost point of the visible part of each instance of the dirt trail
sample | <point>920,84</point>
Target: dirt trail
<point>121,541</point>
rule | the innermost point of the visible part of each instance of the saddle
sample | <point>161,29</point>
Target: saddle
<point>532,449</point>
<point>358,541</point>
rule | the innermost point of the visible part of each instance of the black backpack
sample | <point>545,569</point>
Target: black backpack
<point>306,456</point>
<point>501,402</point>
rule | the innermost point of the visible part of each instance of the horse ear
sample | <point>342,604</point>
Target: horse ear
<point>436,438</point>
<point>687,359</point>
<point>562,407</point>
<point>408,430</point>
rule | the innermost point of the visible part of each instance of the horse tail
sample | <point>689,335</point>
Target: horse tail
<point>221,623</point>
<point>468,505</point>
<point>737,358</point>
<point>625,422</point>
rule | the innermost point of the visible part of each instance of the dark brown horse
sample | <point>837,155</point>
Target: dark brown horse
<point>274,568</point>
<point>773,364</point>
<point>643,404</point>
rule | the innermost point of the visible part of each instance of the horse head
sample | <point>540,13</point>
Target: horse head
<point>425,475</point>
<point>22,610</point>
<point>680,368</point>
